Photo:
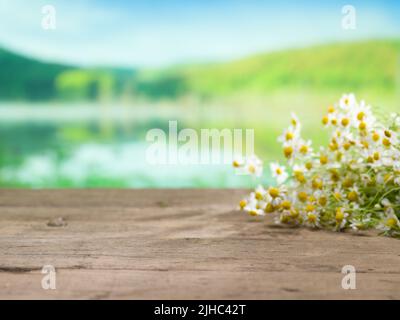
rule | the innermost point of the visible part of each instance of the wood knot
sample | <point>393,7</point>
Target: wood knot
<point>57,222</point>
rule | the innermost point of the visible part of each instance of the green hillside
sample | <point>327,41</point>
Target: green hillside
<point>23,78</point>
<point>371,65</point>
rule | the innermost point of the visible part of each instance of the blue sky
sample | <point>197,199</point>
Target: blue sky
<point>157,33</point>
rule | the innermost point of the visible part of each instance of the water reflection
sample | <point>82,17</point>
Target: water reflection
<point>77,146</point>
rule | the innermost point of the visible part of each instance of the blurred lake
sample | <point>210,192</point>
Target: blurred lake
<point>92,145</point>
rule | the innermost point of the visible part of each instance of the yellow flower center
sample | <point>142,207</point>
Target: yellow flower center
<point>323,201</point>
<point>333,146</point>
<point>289,136</point>
<point>388,134</point>
<point>348,182</point>
<point>345,122</point>
<point>375,136</point>
<point>310,208</point>
<point>335,175</point>
<point>288,151</point>
<point>285,218</point>
<point>323,159</point>
<point>286,205</point>
<point>362,125</point>
<point>300,177</point>
<point>317,183</point>
<point>242,204</point>
<point>294,213</point>
<point>252,213</point>
<point>269,208</point>
<point>339,215</point>
<point>274,192</point>
<point>312,218</point>
<point>325,120</point>
<point>386,142</point>
<point>337,196</point>
<point>252,169</point>
<point>236,164</point>
<point>391,222</point>
<point>360,116</point>
<point>258,195</point>
<point>331,109</point>
<point>352,196</point>
<point>302,196</point>
<point>303,149</point>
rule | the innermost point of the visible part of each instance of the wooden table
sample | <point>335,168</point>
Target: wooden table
<point>178,244</point>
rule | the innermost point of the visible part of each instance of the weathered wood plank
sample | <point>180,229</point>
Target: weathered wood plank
<point>178,244</point>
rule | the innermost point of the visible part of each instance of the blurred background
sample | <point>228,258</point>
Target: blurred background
<point>77,101</point>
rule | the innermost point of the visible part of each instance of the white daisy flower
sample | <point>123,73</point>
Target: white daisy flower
<point>295,122</point>
<point>249,166</point>
<point>312,219</point>
<point>362,114</point>
<point>347,101</point>
<point>389,223</point>
<point>304,147</point>
<point>278,172</point>
<point>290,134</point>
<point>341,219</point>
<point>260,193</point>
<point>360,223</point>
<point>253,207</point>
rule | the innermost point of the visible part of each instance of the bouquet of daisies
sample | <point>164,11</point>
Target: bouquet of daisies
<point>353,183</point>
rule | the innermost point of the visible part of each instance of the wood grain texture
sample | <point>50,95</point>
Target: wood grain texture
<point>178,244</point>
